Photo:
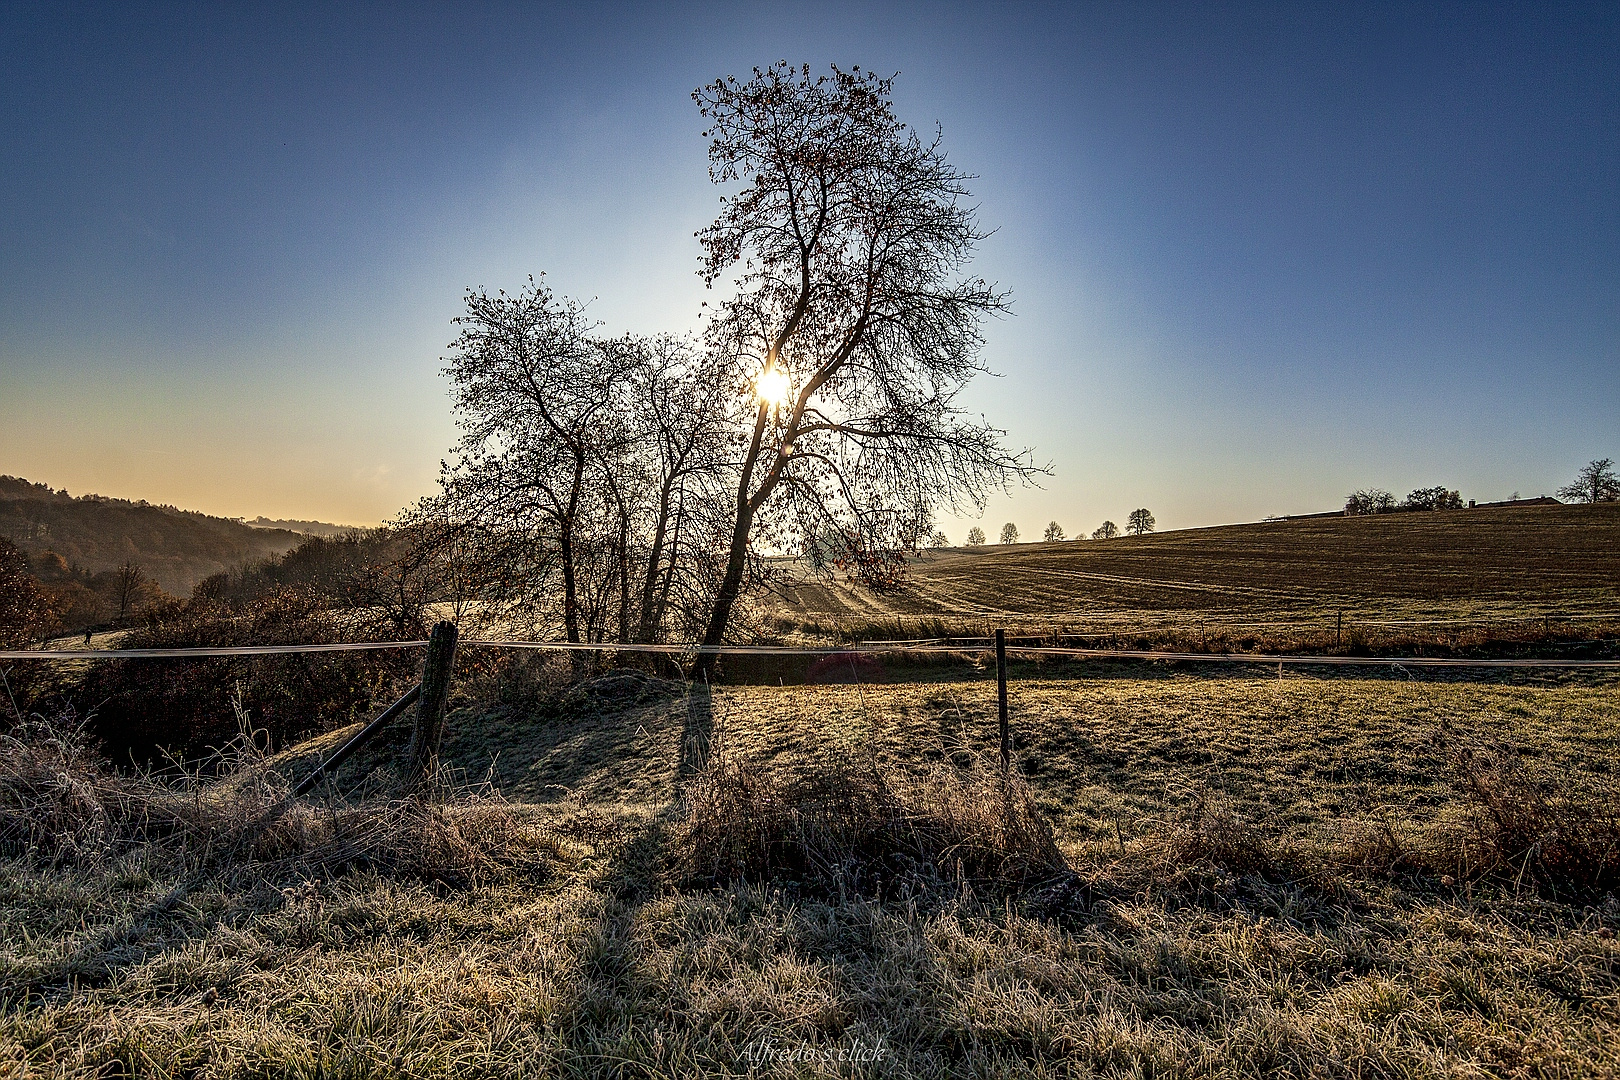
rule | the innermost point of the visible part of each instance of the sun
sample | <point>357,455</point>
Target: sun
<point>772,386</point>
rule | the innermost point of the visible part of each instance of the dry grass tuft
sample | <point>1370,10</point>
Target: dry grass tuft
<point>1212,833</point>
<point>1563,840</point>
<point>846,827</point>
<point>62,805</point>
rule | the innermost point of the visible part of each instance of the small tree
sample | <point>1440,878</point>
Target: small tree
<point>1140,522</point>
<point>24,608</point>
<point>1054,531</point>
<point>1009,533</point>
<point>939,540</point>
<point>975,537</point>
<point>1106,531</point>
<point>1433,498</point>
<point>1368,501</point>
<point>1595,483</point>
<point>129,589</point>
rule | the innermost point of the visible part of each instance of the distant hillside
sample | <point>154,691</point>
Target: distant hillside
<point>177,548</point>
<point>308,528</point>
<point>1528,555</point>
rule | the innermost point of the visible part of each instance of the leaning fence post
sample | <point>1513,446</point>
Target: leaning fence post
<point>1001,699</point>
<point>441,652</point>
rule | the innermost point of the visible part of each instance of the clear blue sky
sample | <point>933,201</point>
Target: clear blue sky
<point>1260,255</point>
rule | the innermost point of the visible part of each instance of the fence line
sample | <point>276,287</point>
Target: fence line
<point>922,646</point>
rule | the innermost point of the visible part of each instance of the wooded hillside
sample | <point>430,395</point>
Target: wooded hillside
<point>176,548</point>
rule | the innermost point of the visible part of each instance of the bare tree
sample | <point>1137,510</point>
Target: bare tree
<point>1106,531</point>
<point>1140,523</point>
<point>679,398</point>
<point>939,540</point>
<point>535,393</point>
<point>129,588</point>
<point>1369,501</point>
<point>1054,532</point>
<point>975,537</point>
<point>1595,483</point>
<point>1009,533</point>
<point>1433,498</point>
<point>851,330</point>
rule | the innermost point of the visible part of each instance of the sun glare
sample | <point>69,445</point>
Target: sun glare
<point>772,386</point>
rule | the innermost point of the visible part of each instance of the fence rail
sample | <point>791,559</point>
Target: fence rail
<point>919,647</point>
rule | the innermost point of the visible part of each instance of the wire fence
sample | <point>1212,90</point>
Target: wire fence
<point>924,646</point>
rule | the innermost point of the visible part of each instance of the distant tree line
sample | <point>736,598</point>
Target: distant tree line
<point>1596,482</point>
<point>1378,501</point>
<point>93,533</point>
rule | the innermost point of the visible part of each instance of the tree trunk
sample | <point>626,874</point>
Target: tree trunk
<point>624,574</point>
<point>566,550</point>
<point>730,588</point>
<point>649,586</point>
<point>737,560</point>
<point>662,611</point>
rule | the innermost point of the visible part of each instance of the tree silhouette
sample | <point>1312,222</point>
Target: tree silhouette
<point>129,589</point>
<point>845,241</point>
<point>1595,483</point>
<point>1009,533</point>
<point>975,537</point>
<point>1106,531</point>
<point>1368,501</point>
<point>1140,522</point>
<point>1054,531</point>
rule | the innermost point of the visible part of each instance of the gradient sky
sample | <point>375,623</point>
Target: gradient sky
<point>1259,255</point>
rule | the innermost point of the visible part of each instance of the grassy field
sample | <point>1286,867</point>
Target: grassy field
<point>1194,870</point>
<point>1389,575</point>
<point>1265,876</point>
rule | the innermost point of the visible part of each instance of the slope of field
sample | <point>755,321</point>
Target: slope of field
<point>1508,561</point>
<point>597,965</point>
<point>176,548</point>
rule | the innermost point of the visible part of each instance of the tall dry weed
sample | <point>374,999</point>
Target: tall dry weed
<point>61,803</point>
<point>853,826</point>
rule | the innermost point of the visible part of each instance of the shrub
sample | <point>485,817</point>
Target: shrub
<point>143,707</point>
<point>856,827</point>
<point>1564,841</point>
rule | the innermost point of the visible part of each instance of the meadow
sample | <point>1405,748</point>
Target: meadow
<point>1252,884</point>
<point>1192,870</point>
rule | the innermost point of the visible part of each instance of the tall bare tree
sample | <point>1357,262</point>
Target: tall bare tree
<point>1140,523</point>
<point>534,392</point>
<point>129,588</point>
<point>1054,532</point>
<point>852,329</point>
<point>1595,483</point>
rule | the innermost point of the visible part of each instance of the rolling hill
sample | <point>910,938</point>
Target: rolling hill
<point>177,548</point>
<point>1483,562</point>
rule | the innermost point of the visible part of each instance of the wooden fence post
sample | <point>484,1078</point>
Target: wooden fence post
<point>424,752</point>
<point>1001,699</point>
